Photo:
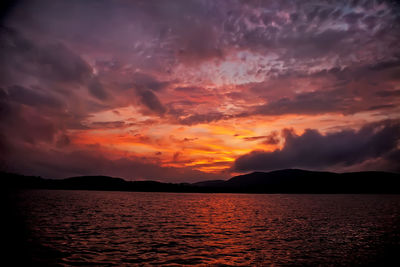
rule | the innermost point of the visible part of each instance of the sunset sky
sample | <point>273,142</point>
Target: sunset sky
<point>194,90</point>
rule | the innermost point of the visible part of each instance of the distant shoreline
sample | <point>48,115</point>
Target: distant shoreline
<point>291,181</point>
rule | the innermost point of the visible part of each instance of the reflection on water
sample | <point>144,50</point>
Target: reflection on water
<point>128,228</point>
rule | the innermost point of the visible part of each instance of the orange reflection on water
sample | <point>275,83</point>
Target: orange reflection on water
<point>157,229</point>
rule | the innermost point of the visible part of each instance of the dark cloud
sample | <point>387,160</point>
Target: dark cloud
<point>151,101</point>
<point>33,116</point>
<point>53,62</point>
<point>388,93</point>
<point>144,81</point>
<point>192,90</point>
<point>317,102</point>
<point>254,138</point>
<point>193,47</point>
<point>61,64</point>
<point>108,124</point>
<point>202,118</point>
<point>32,97</point>
<point>272,138</point>
<point>189,139</point>
<point>97,90</point>
<point>63,140</point>
<point>353,18</point>
<point>382,107</point>
<point>20,123</point>
<point>38,117</point>
<point>315,45</point>
<point>45,83</point>
<point>51,67</point>
<point>317,151</point>
<point>385,65</point>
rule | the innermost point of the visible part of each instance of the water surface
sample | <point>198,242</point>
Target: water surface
<point>129,228</point>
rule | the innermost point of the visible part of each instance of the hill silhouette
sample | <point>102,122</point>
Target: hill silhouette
<point>281,181</point>
<point>302,181</point>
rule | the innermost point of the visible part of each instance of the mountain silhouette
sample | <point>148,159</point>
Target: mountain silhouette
<point>281,181</point>
<point>302,181</point>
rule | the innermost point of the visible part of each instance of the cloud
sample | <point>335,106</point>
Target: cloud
<point>108,124</point>
<point>144,81</point>
<point>63,163</point>
<point>151,101</point>
<point>345,91</point>
<point>175,64</point>
<point>97,90</point>
<point>202,118</point>
<point>270,139</point>
<point>31,97</point>
<point>20,123</point>
<point>154,35</point>
<point>316,31</point>
<point>255,138</point>
<point>51,70</point>
<point>309,103</point>
<point>53,62</point>
<point>317,151</point>
<point>385,65</point>
<point>388,93</point>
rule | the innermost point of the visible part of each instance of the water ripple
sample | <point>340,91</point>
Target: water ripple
<point>127,228</point>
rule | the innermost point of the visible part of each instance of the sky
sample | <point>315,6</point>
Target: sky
<point>184,91</point>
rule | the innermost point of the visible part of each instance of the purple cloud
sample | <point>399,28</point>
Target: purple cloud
<point>317,151</point>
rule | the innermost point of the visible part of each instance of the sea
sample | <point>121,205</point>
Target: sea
<point>103,228</point>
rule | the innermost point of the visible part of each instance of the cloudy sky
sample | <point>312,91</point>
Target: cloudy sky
<point>195,90</point>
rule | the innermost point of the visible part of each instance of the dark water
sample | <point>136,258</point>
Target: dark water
<point>129,228</point>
